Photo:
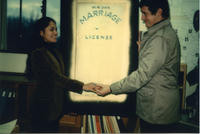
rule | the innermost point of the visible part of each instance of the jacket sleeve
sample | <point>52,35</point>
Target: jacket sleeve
<point>44,72</point>
<point>150,62</point>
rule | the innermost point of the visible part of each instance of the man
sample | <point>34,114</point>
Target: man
<point>156,79</point>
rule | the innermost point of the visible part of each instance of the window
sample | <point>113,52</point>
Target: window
<point>19,17</point>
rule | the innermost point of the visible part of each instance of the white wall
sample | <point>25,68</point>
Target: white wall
<point>13,62</point>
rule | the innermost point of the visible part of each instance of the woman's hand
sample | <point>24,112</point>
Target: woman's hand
<point>91,87</point>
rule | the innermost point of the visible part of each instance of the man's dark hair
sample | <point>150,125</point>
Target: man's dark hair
<point>154,5</point>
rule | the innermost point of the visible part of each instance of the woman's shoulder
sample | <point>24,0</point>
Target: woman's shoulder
<point>39,50</point>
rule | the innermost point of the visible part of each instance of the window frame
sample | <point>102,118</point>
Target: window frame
<point>3,24</point>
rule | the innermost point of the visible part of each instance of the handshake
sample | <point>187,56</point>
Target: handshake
<point>99,89</point>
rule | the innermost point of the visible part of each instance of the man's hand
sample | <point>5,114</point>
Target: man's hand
<point>105,90</point>
<point>91,87</point>
<point>138,43</point>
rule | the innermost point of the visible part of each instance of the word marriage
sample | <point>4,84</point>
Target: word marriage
<point>95,13</point>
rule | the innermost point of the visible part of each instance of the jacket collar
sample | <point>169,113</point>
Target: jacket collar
<point>154,29</point>
<point>157,26</point>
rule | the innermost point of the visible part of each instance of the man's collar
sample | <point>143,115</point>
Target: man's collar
<point>159,22</point>
<point>159,25</point>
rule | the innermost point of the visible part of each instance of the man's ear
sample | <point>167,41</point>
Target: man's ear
<point>159,12</point>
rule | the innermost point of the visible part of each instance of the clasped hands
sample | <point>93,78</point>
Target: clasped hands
<point>99,89</point>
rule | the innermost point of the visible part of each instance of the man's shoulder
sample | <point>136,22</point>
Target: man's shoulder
<point>166,32</point>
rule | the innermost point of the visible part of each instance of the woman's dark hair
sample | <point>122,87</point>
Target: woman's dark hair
<point>154,5</point>
<point>40,25</point>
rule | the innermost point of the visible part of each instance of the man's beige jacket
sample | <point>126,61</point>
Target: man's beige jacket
<point>156,79</point>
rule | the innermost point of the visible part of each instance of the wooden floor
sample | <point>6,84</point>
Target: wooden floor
<point>181,128</point>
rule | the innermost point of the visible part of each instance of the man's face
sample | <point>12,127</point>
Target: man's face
<point>148,18</point>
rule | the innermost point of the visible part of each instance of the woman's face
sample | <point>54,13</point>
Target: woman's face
<point>49,34</point>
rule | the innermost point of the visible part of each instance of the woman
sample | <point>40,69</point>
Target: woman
<point>45,65</point>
